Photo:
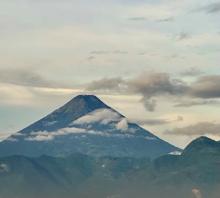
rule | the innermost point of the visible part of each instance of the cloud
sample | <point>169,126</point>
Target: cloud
<point>104,116</point>
<point>148,85</point>
<point>163,20</point>
<point>106,84</point>
<point>151,85</point>
<point>155,84</point>
<point>122,125</point>
<point>206,87</point>
<point>201,129</point>
<point>196,102</point>
<point>23,77</point>
<point>140,18</point>
<point>90,58</point>
<point>103,52</point>
<point>4,168</point>
<point>27,78</point>
<point>50,135</point>
<point>158,121</point>
<point>47,136</point>
<point>211,8</point>
<point>191,72</point>
<point>183,36</point>
<point>197,193</point>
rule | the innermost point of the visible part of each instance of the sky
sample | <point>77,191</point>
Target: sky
<point>155,61</point>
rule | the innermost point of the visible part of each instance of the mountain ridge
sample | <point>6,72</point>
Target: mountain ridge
<point>111,176</point>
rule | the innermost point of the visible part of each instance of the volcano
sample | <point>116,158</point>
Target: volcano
<point>88,126</point>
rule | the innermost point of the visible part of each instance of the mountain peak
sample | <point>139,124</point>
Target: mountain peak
<point>81,105</point>
<point>72,110</point>
<point>200,144</point>
<point>87,101</point>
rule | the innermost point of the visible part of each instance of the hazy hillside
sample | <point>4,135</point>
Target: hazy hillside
<point>83,176</point>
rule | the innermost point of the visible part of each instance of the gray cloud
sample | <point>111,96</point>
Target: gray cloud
<point>168,19</point>
<point>158,121</point>
<point>148,85</point>
<point>103,52</point>
<point>152,85</point>
<point>106,84</point>
<point>206,87</point>
<point>193,71</point>
<point>155,84</point>
<point>140,18</point>
<point>196,102</point>
<point>201,128</point>
<point>28,78</point>
<point>183,36</point>
<point>90,58</point>
<point>23,77</point>
<point>211,8</point>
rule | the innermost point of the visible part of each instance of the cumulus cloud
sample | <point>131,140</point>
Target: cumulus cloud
<point>122,125</point>
<point>148,85</point>
<point>4,168</point>
<point>151,85</point>
<point>43,136</point>
<point>103,116</point>
<point>197,193</point>
<point>201,129</point>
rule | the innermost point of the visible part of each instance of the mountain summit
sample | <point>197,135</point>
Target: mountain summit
<point>72,110</point>
<point>85,125</point>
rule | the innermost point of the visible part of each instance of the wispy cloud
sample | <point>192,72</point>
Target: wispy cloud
<point>158,121</point>
<point>201,128</point>
<point>211,8</point>
<point>103,52</point>
<point>27,77</point>
<point>196,102</point>
<point>183,36</point>
<point>140,18</point>
<point>192,71</point>
<point>164,20</point>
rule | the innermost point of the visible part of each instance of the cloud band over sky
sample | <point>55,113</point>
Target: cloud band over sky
<point>159,54</point>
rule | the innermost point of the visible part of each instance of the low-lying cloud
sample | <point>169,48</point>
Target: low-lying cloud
<point>201,129</point>
<point>158,121</point>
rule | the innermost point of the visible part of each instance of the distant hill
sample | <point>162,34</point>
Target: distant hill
<point>194,173</point>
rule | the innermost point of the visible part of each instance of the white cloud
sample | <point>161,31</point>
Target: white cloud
<point>122,125</point>
<point>4,168</point>
<point>175,153</point>
<point>46,135</point>
<point>104,116</point>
